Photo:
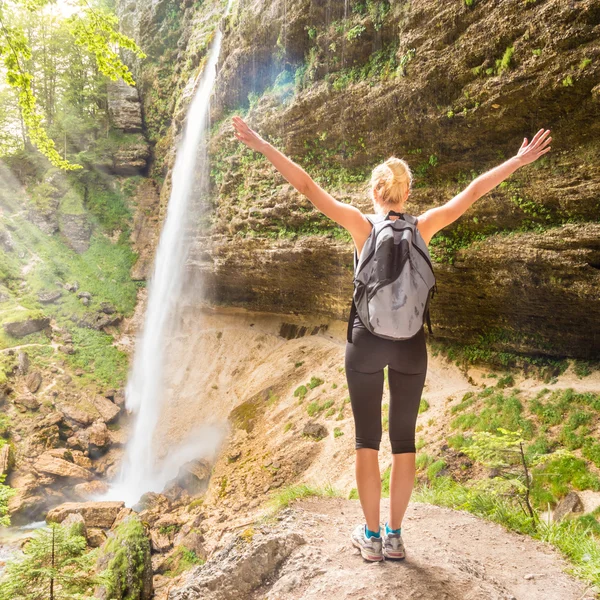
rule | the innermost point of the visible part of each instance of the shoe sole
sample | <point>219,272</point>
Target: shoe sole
<point>395,555</point>
<point>365,553</point>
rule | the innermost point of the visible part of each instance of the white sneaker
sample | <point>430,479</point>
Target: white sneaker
<point>393,546</point>
<point>370,548</point>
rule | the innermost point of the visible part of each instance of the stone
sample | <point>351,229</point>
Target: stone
<point>84,491</point>
<point>97,320</point>
<point>28,401</point>
<point>108,410</point>
<point>72,287</point>
<point>107,308</point>
<point>75,519</point>
<point>97,435</point>
<point>124,107</point>
<point>95,514</point>
<point>23,363</point>
<point>315,430</point>
<point>95,537</point>
<point>25,327</point>
<point>570,504</point>
<point>48,297</point>
<point>160,541</point>
<point>123,514</point>
<point>52,465</point>
<point>239,569</point>
<point>193,477</point>
<point>33,381</point>
<point>132,160</point>
<point>79,415</point>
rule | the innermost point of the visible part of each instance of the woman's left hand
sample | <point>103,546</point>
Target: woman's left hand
<point>244,134</point>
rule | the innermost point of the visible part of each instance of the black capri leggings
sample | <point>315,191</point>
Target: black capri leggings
<point>407,366</point>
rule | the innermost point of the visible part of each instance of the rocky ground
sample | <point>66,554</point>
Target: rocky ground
<point>307,554</point>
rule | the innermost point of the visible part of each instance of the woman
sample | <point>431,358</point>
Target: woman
<point>368,354</point>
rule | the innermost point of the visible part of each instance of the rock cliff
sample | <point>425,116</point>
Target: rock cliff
<point>451,87</point>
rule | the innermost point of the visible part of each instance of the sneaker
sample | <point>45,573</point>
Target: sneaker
<point>370,548</point>
<point>393,546</point>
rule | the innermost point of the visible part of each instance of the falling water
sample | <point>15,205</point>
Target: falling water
<point>144,391</point>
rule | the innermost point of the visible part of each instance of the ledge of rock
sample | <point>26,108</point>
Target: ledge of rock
<point>95,514</point>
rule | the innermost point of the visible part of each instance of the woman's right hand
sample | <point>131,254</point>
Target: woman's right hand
<point>244,134</point>
<point>529,152</point>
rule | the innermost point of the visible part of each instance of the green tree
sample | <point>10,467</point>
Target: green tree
<point>54,565</point>
<point>505,453</point>
<point>93,28</point>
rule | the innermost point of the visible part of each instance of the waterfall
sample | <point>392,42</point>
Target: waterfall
<point>144,391</point>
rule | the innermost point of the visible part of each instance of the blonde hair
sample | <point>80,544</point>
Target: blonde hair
<point>392,179</point>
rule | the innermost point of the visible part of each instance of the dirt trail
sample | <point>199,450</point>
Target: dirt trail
<point>451,555</point>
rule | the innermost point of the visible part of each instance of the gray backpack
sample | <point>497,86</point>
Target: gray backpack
<point>393,280</point>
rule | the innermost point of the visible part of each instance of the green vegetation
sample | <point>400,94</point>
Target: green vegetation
<point>128,553</point>
<point>484,351</point>
<point>423,406</point>
<point>504,63</point>
<point>314,382</point>
<point>181,560</point>
<point>315,408</point>
<point>288,494</point>
<point>90,35</point>
<point>300,392</point>
<point>54,564</point>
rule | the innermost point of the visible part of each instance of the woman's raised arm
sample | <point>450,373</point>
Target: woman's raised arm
<point>434,219</point>
<point>346,215</point>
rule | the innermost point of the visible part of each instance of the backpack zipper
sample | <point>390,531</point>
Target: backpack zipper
<point>424,256</point>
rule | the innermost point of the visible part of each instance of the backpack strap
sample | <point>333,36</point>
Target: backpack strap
<point>353,307</point>
<point>351,321</point>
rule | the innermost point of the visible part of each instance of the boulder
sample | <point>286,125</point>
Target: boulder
<point>95,514</point>
<point>95,537</point>
<point>75,519</point>
<point>23,363</point>
<point>52,465</point>
<point>47,297</point>
<point>195,541</point>
<point>25,327</point>
<point>33,381</point>
<point>571,503</point>
<point>315,430</point>
<point>28,401</point>
<point>96,320</point>
<point>86,490</point>
<point>160,541</point>
<point>55,418</point>
<point>72,287</point>
<point>77,414</point>
<point>239,569</point>
<point>193,477</point>
<point>108,410</point>
<point>97,435</point>
<point>123,514</point>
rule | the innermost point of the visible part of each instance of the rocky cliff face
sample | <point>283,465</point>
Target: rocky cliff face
<point>452,88</point>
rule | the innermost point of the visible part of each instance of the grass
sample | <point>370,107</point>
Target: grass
<point>287,495</point>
